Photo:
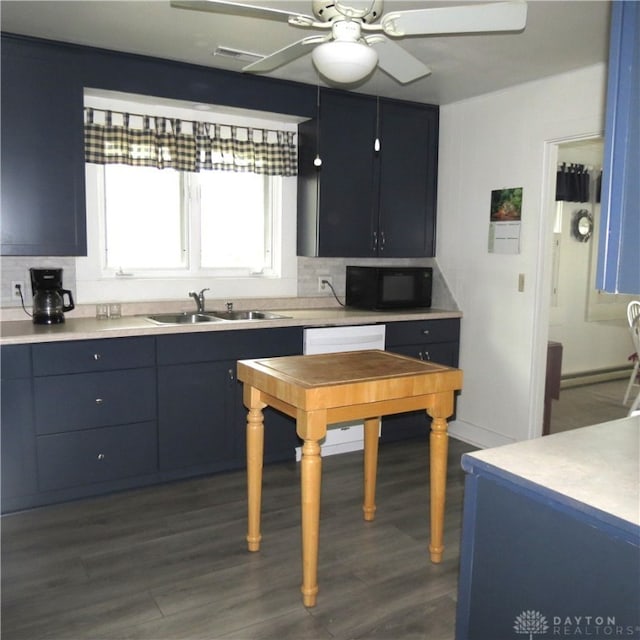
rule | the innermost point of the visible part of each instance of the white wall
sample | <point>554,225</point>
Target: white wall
<point>501,140</point>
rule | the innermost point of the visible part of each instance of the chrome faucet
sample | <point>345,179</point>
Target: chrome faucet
<point>199,298</point>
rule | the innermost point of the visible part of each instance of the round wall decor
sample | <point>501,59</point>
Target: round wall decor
<point>582,225</point>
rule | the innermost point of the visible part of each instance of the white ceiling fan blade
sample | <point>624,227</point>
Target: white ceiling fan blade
<point>478,18</point>
<point>398,62</point>
<point>236,9</point>
<point>285,55</point>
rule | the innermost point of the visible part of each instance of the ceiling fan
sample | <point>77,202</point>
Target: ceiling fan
<point>358,33</point>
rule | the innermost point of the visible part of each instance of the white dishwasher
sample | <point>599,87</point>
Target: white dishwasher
<point>343,436</point>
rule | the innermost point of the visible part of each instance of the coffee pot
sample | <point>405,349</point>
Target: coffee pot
<point>49,296</point>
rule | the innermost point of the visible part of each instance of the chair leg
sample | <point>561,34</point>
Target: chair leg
<point>636,404</point>
<point>632,380</point>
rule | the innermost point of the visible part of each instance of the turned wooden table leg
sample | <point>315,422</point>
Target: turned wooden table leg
<point>311,478</point>
<point>255,447</point>
<point>438,450</point>
<point>371,430</point>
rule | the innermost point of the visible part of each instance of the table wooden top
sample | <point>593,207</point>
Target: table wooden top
<point>335,379</point>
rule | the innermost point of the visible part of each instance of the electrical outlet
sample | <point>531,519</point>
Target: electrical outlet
<point>322,286</point>
<point>16,287</point>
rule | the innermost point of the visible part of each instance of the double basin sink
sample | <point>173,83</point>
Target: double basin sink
<point>212,316</point>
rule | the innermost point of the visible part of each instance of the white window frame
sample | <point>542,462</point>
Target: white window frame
<point>94,284</point>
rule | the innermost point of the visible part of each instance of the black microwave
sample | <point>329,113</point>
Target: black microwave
<point>388,287</point>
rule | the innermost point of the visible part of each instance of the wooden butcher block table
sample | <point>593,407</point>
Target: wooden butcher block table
<point>318,390</point>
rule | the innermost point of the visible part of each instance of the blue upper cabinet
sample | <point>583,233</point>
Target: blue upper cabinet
<point>42,153</point>
<point>619,250</point>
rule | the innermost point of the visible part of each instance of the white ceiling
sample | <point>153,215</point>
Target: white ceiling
<point>561,35</point>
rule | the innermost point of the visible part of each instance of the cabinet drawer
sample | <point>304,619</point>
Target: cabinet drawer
<point>96,455</point>
<point>92,355</point>
<point>83,401</point>
<point>229,345</point>
<point>423,331</point>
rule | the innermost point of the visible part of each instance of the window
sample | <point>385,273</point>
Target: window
<point>214,222</point>
<point>155,234</point>
<point>236,210</point>
<point>142,202</point>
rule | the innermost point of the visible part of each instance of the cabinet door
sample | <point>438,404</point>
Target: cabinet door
<point>618,256</point>
<point>18,464</point>
<point>408,180</point>
<point>43,211</point>
<point>194,419</point>
<point>342,191</point>
<point>416,424</point>
<point>280,437</point>
<point>17,442</point>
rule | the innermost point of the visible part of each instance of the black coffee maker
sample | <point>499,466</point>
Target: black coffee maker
<point>48,296</point>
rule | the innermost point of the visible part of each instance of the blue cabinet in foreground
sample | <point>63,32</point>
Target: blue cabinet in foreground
<point>538,563</point>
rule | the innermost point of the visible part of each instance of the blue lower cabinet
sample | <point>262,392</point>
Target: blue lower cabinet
<point>90,417</point>
<point>431,340</point>
<point>533,567</point>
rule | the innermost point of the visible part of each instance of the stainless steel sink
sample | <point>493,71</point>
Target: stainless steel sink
<point>212,316</point>
<point>246,315</point>
<point>182,318</point>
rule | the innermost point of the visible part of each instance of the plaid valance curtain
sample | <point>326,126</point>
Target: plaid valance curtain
<point>169,143</point>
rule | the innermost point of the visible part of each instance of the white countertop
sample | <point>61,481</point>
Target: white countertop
<point>24,331</point>
<point>597,466</point>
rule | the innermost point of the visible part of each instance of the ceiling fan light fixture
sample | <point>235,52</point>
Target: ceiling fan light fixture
<point>344,62</point>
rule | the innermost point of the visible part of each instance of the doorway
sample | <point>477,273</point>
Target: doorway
<point>590,325</point>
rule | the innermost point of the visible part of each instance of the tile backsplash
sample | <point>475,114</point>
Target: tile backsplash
<point>309,270</point>
<point>17,269</point>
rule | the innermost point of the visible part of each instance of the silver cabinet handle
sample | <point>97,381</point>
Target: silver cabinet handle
<point>99,401</point>
<point>96,356</point>
<point>427,355</point>
<point>231,375</point>
<point>425,332</point>
<point>375,241</point>
<point>101,456</point>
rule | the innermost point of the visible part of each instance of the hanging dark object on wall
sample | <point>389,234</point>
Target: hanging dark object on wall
<point>572,183</point>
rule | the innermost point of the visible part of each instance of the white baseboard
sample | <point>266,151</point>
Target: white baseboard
<point>593,377</point>
<point>477,436</point>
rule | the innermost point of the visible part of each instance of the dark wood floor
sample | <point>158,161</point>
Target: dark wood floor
<point>170,562</point>
<point>585,405</point>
